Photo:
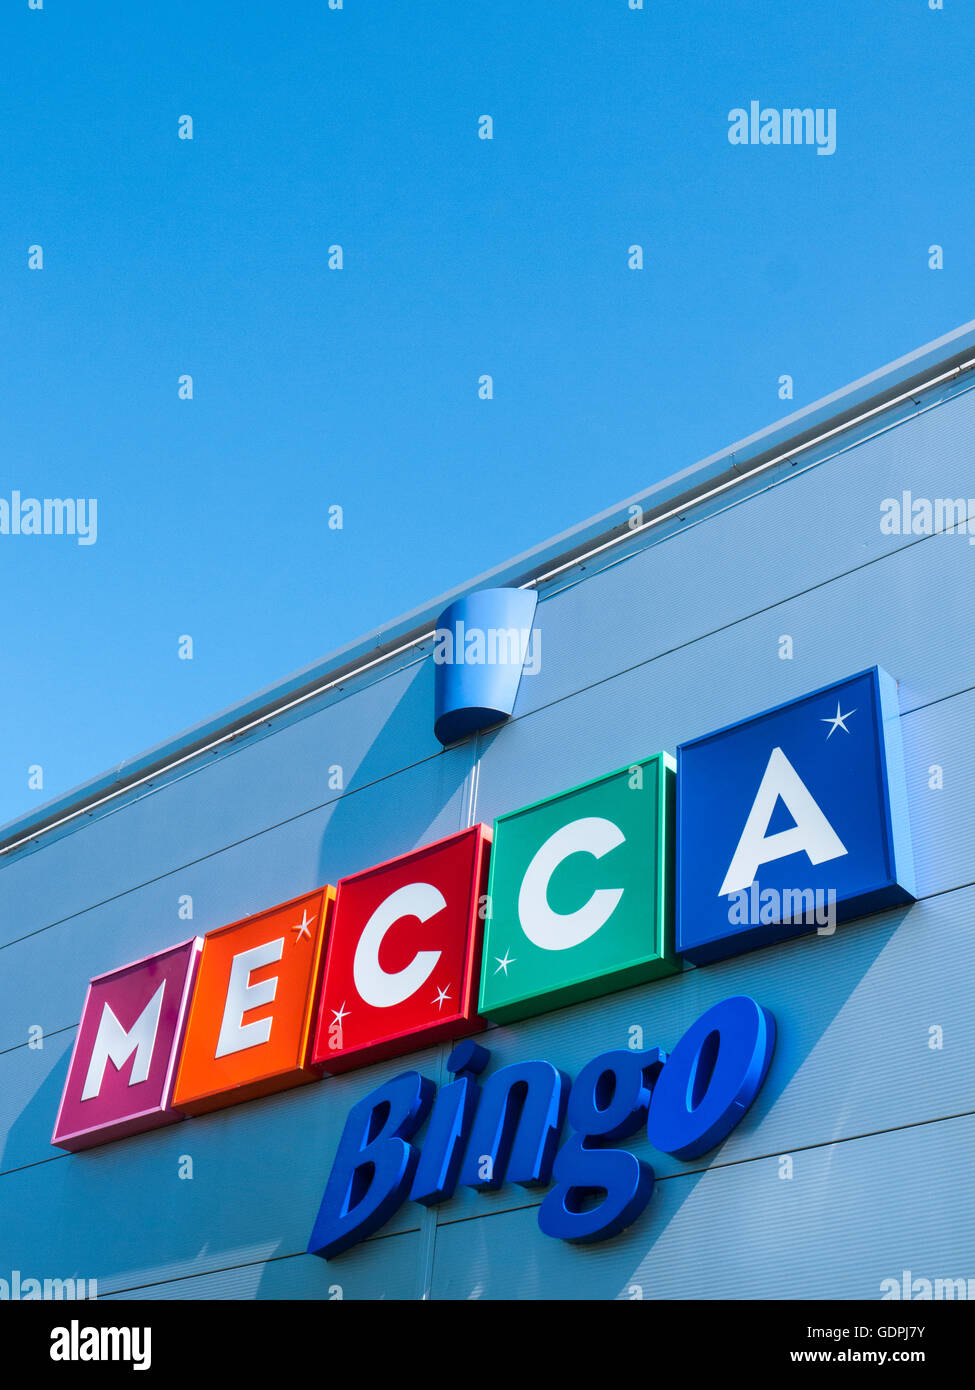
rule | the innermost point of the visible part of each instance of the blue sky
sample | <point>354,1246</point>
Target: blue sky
<point>315,387</point>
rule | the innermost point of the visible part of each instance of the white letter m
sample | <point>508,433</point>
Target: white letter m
<point>113,1044</point>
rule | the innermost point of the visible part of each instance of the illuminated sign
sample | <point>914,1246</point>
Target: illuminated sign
<point>123,1065</point>
<point>581,893</point>
<point>509,1129</point>
<point>249,1030</point>
<point>792,820</point>
<point>783,823</point>
<point>404,954</point>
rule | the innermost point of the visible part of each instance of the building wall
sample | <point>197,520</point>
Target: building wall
<point>642,647</point>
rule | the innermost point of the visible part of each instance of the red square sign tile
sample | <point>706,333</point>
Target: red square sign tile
<point>404,954</point>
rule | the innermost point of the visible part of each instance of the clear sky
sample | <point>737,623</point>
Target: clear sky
<point>462,256</point>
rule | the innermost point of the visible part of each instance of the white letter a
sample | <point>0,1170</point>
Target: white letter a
<point>812,832</point>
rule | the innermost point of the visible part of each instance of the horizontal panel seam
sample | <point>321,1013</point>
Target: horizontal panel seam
<point>353,791</point>
<point>726,627</point>
<point>686,1172</point>
<point>222,849</point>
<point>670,651</point>
<point>745,1159</point>
<point>247,1264</point>
<point>935,893</point>
<point>527,1206</point>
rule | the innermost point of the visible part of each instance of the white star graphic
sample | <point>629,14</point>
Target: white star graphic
<point>302,927</point>
<point>339,1013</point>
<point>504,962</point>
<point>837,721</point>
<point>442,995</point>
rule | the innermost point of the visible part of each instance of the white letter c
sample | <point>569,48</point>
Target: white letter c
<point>381,988</point>
<point>558,931</point>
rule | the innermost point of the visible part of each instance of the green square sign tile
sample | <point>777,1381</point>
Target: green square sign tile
<point>580,898</point>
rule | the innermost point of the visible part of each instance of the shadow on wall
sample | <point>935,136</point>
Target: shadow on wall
<point>129,1188</point>
<point>150,1222</point>
<point>383,814</point>
<point>119,1213</point>
<point>807,984</point>
<point>807,993</point>
<point>804,1017</point>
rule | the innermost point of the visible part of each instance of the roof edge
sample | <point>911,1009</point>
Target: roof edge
<point>914,371</point>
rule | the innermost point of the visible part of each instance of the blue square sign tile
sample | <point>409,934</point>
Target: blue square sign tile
<point>792,821</point>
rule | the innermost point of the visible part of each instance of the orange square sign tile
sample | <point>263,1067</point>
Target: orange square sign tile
<point>256,996</point>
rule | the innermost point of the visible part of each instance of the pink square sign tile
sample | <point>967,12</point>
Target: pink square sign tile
<point>123,1066</point>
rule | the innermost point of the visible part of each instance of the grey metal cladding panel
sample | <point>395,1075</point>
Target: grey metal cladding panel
<point>386,1268</point>
<point>31,1082</point>
<point>238,792</point>
<point>909,614</point>
<point>43,976</point>
<point>121,1214</point>
<point>760,551</point>
<point>853,1215</point>
<point>939,737</point>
